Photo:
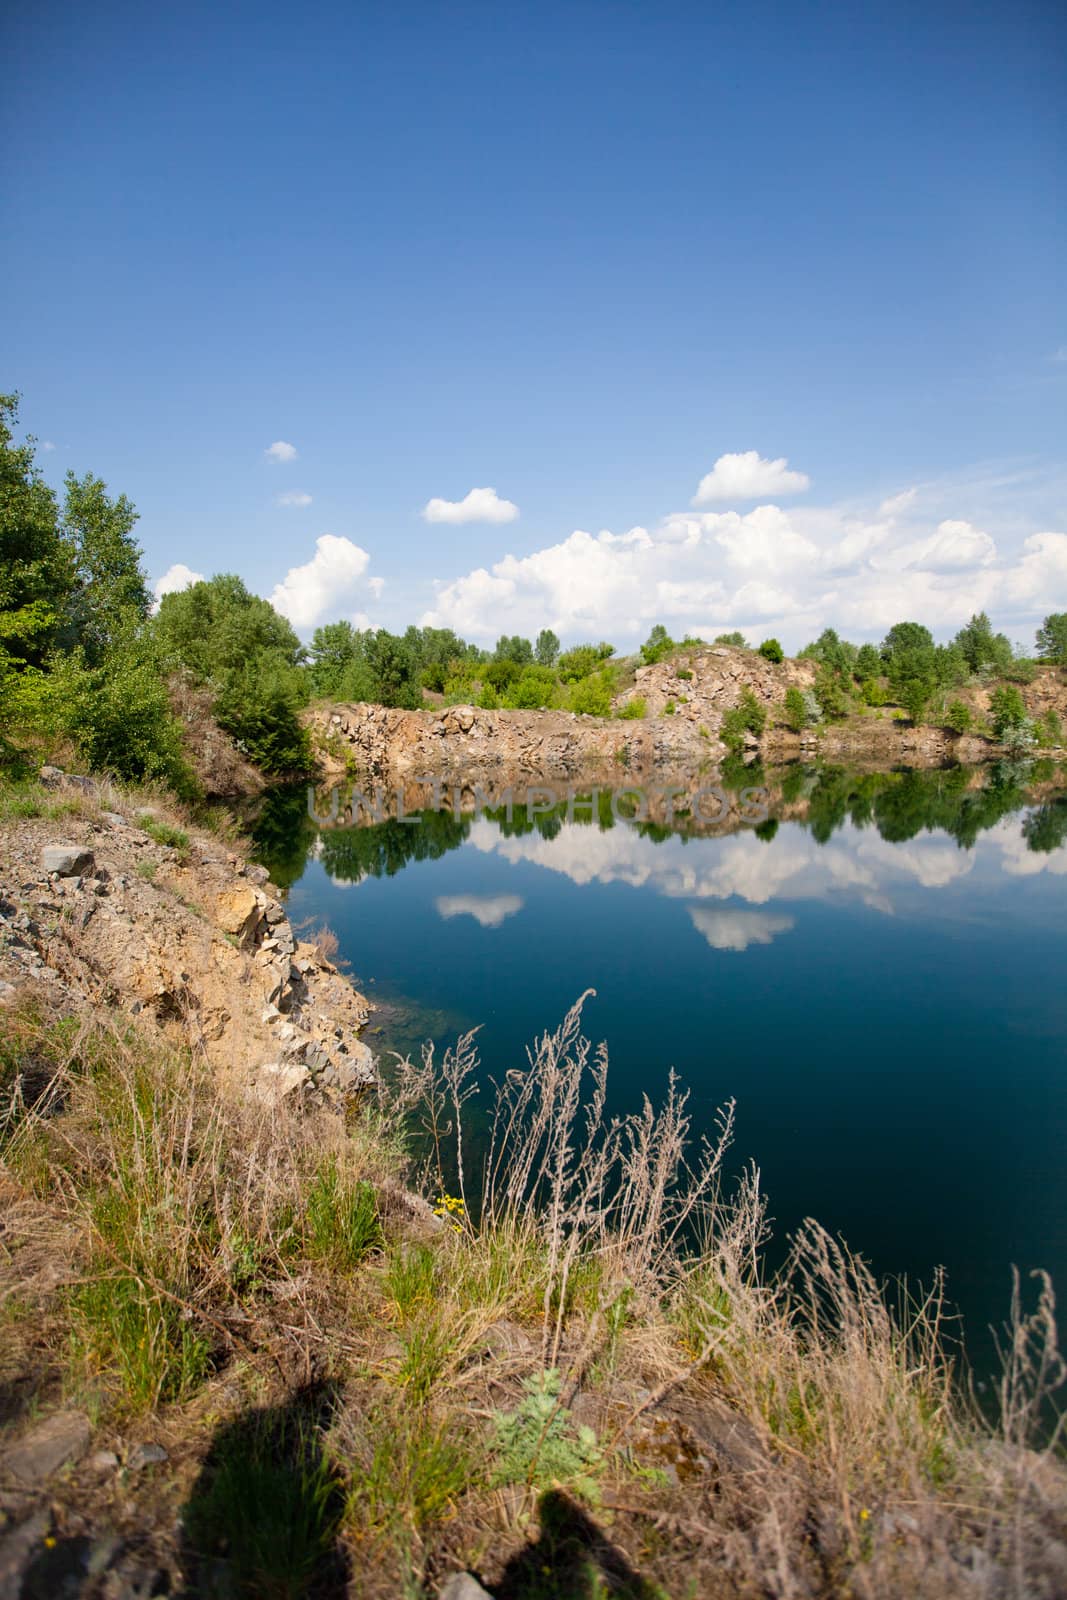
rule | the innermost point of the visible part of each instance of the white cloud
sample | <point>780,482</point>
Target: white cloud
<point>748,476</point>
<point>898,503</point>
<point>322,585</point>
<point>376,585</point>
<point>179,576</point>
<point>280,451</point>
<point>954,546</point>
<point>1040,577</point>
<point>480,505</point>
<point>46,444</point>
<point>489,910</point>
<point>736,930</point>
<point>295,497</point>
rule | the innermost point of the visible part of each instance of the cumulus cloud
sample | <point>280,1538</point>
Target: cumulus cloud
<point>322,586</point>
<point>179,576</point>
<point>748,476</point>
<point>480,505</point>
<point>280,451</point>
<point>954,546</point>
<point>295,497</point>
<point>736,930</point>
<point>489,910</point>
<point>376,585</point>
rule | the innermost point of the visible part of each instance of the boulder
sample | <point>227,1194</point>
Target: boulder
<point>238,912</point>
<point>66,860</point>
<point>275,1081</point>
<point>60,1438</point>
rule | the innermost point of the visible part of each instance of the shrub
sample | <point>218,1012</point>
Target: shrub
<point>592,696</point>
<point>684,673</point>
<point>579,662</point>
<point>737,640</point>
<point>535,689</point>
<point>914,697</point>
<point>873,691</point>
<point>748,716</point>
<point>831,692</point>
<point>771,650</point>
<point>958,717</point>
<point>1007,709</point>
<point>669,709</point>
<point>658,644</point>
<point>634,710</point>
<point>795,710</point>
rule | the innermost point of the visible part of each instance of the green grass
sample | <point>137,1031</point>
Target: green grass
<point>341,1224</point>
<point>262,1521</point>
<point>165,833</point>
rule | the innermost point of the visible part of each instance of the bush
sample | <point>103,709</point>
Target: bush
<point>771,650</point>
<point>873,692</point>
<point>634,710</point>
<point>832,693</point>
<point>592,696</point>
<point>958,717</point>
<point>795,709</point>
<point>748,716</point>
<point>736,640</point>
<point>1007,709</point>
<point>579,662</point>
<point>658,644</point>
<point>533,690</point>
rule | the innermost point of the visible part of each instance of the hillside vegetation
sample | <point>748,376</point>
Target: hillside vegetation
<point>214,683</point>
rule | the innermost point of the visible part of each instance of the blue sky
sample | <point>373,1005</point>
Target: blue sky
<point>576,253</point>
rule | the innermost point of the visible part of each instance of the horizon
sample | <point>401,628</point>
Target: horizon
<point>589,319</point>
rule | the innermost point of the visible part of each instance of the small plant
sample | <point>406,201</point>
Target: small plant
<point>341,1223</point>
<point>634,710</point>
<point>684,673</point>
<point>147,870</point>
<point>669,709</point>
<point>772,651</point>
<point>539,1445</point>
<point>165,833</point>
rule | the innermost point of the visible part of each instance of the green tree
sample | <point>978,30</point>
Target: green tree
<point>36,562</point>
<point>771,650</point>
<point>110,588</point>
<point>579,662</point>
<point>905,639</point>
<point>831,651</point>
<point>1052,637</point>
<point>1007,710</point>
<point>914,694</point>
<point>546,650</point>
<point>239,646</point>
<point>514,648</point>
<point>658,644</point>
<point>737,640</point>
<point>981,648</point>
<point>333,650</point>
<point>868,663</point>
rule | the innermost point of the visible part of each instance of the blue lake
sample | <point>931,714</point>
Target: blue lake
<point>877,978</point>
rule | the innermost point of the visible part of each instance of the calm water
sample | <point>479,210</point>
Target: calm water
<point>879,981</point>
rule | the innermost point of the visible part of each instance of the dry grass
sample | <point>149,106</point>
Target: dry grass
<point>600,1294</point>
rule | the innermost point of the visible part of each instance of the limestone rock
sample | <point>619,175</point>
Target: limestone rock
<point>461,1586</point>
<point>275,1081</point>
<point>238,912</point>
<point>66,860</point>
<point>50,1445</point>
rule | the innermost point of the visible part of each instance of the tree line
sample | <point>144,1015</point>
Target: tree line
<point>83,658</point>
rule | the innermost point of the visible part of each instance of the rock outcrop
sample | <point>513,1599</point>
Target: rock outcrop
<point>195,940</point>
